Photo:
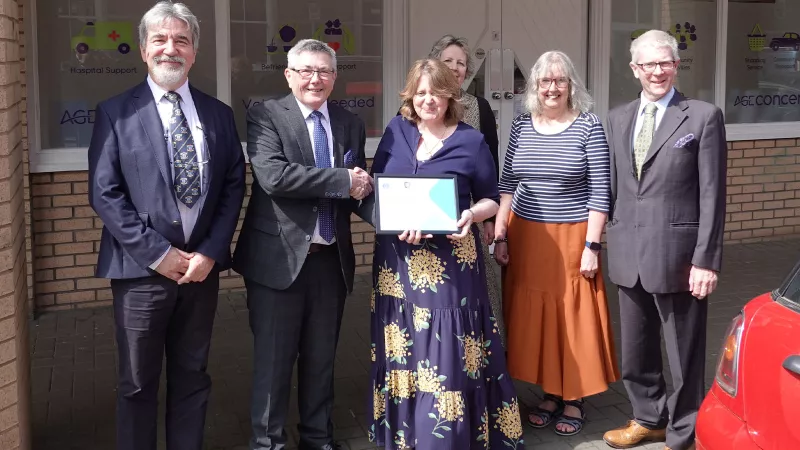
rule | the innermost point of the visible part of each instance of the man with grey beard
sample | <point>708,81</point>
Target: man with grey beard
<point>166,173</point>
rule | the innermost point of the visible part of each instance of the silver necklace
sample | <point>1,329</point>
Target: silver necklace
<point>430,151</point>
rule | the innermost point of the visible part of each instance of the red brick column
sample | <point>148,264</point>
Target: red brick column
<point>14,351</point>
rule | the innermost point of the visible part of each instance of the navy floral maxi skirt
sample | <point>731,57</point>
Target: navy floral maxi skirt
<point>438,375</point>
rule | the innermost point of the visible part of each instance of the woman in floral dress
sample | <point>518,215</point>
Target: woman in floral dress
<point>439,376</point>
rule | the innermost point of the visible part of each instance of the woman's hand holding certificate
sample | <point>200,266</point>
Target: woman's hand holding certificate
<point>413,236</point>
<point>467,217</point>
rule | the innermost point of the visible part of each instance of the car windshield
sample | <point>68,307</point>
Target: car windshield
<point>790,289</point>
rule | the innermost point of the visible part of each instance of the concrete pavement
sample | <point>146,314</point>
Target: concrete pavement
<point>74,368</point>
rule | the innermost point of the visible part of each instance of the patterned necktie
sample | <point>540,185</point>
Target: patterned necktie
<point>184,156</point>
<point>323,159</point>
<point>645,137</point>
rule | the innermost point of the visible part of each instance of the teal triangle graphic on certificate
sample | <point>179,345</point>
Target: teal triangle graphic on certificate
<point>441,195</point>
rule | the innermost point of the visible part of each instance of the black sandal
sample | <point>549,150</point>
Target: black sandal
<point>544,415</point>
<point>575,422</point>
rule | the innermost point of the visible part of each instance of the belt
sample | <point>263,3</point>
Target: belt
<point>314,247</point>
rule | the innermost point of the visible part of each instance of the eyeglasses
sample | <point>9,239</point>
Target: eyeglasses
<point>666,66</point>
<point>545,83</point>
<point>307,74</point>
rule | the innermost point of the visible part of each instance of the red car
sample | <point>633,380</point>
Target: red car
<point>755,400</point>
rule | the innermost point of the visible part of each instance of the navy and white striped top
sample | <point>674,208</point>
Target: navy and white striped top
<point>557,177</point>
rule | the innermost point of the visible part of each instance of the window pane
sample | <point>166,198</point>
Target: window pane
<point>763,71</point>
<point>791,287</point>
<point>694,25</point>
<point>261,37</point>
<point>88,51</point>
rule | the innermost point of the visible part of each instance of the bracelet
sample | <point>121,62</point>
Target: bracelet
<point>499,240</point>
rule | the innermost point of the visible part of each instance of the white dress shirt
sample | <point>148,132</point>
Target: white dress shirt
<point>188,215</point>
<point>661,108</point>
<point>326,123</point>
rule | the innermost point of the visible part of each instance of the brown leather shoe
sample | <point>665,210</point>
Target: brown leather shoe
<point>632,435</point>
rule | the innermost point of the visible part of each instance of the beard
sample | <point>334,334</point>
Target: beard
<point>166,75</point>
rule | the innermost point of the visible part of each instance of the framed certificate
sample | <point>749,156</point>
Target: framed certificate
<point>416,202</point>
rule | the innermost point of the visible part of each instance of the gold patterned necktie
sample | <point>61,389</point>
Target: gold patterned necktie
<point>645,137</point>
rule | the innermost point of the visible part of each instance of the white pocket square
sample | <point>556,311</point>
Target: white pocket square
<point>684,141</point>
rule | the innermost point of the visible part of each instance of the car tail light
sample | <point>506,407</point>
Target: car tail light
<point>728,366</point>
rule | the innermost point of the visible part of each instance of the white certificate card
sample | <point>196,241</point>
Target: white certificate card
<point>412,202</point>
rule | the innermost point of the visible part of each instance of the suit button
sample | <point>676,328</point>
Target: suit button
<point>314,209</point>
<point>308,238</point>
<point>639,199</point>
<point>176,223</point>
<point>339,195</point>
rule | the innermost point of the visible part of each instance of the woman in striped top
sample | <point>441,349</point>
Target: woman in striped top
<point>555,195</point>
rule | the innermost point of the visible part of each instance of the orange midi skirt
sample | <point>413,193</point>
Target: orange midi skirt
<point>558,328</point>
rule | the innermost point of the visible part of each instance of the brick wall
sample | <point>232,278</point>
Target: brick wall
<point>763,190</point>
<point>763,203</point>
<point>66,238</point>
<point>14,360</point>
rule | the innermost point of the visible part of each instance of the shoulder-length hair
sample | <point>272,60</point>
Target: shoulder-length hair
<point>443,84</point>
<point>579,99</point>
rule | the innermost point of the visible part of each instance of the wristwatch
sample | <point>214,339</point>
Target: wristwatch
<point>596,246</point>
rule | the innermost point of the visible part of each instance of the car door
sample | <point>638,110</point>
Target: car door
<point>771,369</point>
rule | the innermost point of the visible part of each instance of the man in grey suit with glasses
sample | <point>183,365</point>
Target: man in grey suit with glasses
<point>668,168</point>
<point>295,249</point>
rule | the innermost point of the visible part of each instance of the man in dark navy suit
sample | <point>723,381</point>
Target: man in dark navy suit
<point>167,175</point>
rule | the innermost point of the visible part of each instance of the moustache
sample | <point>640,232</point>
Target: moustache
<point>176,59</point>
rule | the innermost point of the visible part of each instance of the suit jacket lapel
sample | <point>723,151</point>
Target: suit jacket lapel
<point>673,117</point>
<point>337,128</point>
<point>298,124</point>
<point>628,121</point>
<point>209,134</point>
<point>153,128</point>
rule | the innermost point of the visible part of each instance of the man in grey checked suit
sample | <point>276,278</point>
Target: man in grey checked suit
<point>295,250</point>
<point>668,166</point>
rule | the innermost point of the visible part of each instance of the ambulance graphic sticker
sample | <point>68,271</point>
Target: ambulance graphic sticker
<point>116,36</point>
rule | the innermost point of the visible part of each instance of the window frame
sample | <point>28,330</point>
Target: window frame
<point>396,26</point>
<point>599,80</point>
<point>780,294</point>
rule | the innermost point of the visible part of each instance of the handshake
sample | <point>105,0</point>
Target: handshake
<point>361,184</point>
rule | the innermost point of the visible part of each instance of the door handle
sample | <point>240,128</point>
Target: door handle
<point>509,96</point>
<point>495,95</point>
<point>792,364</point>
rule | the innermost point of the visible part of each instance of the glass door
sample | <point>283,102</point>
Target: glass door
<point>529,29</point>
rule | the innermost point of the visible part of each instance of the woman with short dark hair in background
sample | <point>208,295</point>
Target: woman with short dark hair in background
<point>455,53</point>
